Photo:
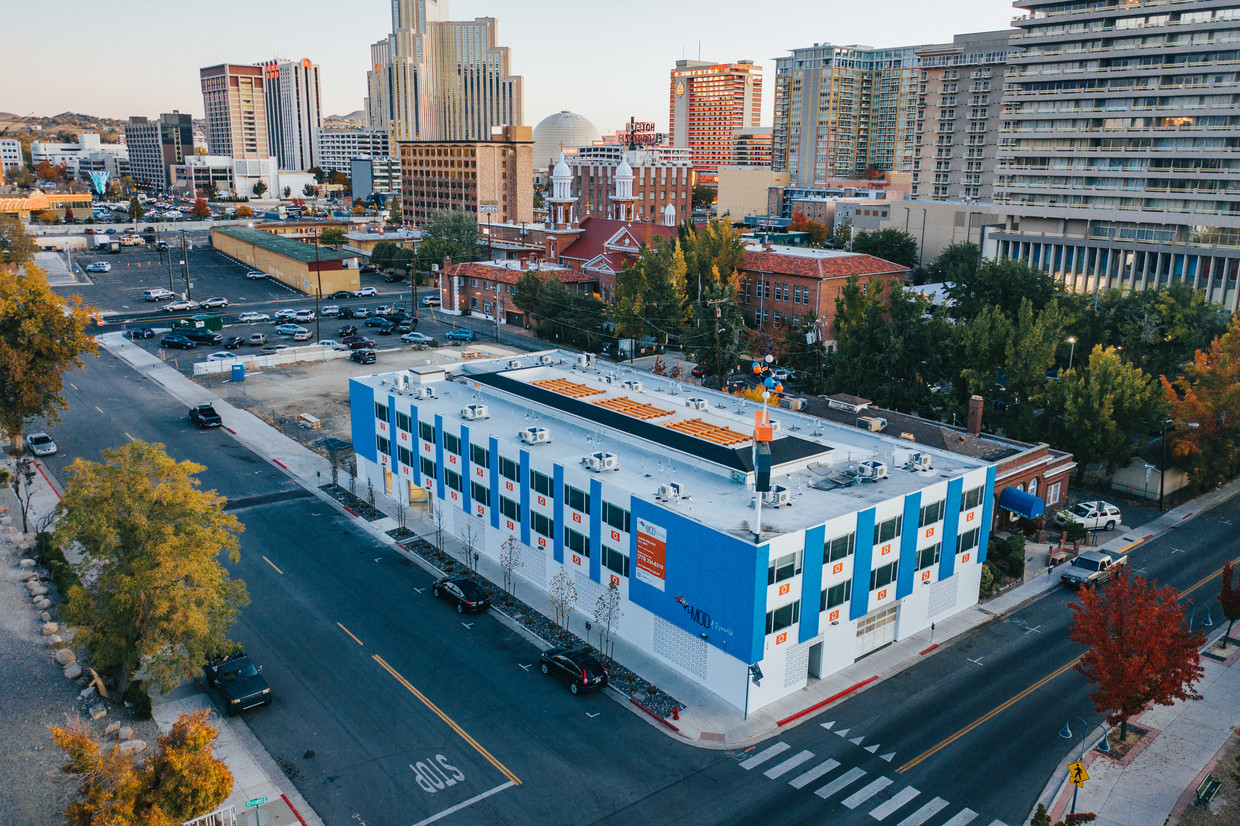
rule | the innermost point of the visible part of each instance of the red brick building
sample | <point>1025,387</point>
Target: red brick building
<point>486,289</point>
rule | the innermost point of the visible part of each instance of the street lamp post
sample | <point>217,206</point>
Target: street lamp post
<point>1072,351</point>
<point>318,270</point>
<point>1066,733</point>
<point>1162,470</point>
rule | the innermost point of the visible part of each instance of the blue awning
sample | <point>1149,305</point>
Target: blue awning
<point>1021,503</point>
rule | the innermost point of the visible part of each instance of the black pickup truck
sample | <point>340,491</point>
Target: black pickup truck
<point>239,682</point>
<point>204,416</point>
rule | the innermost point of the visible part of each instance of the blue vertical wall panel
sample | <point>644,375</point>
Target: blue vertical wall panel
<point>362,413</point>
<point>557,512</point>
<point>467,475</point>
<point>439,456</point>
<point>811,582</point>
<point>863,561</point>
<point>523,484</point>
<point>391,437</point>
<point>951,528</point>
<point>988,506</point>
<point>908,545</point>
<point>596,531</point>
<point>493,448</point>
<point>416,447</point>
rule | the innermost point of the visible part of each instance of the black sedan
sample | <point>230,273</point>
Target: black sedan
<point>177,342</point>
<point>387,328</point>
<point>463,591</point>
<point>341,294</point>
<point>377,321</point>
<point>345,312</point>
<point>363,356</point>
<point>358,342</point>
<point>233,342</point>
<point>575,666</point>
<point>347,330</point>
<point>140,332</point>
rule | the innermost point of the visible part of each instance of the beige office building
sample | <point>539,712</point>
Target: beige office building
<point>493,179</point>
<point>236,107</point>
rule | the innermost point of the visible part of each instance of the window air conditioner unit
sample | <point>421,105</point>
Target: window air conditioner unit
<point>872,470</point>
<point>669,491</point>
<point>475,411</point>
<point>535,435</point>
<point>777,496</point>
<point>599,462</point>
<point>635,386</point>
<point>424,392</point>
<point>697,404</point>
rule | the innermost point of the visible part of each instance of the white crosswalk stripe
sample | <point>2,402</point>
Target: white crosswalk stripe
<point>788,765</point>
<point>764,755</point>
<point>850,776</point>
<point>813,774</point>
<point>897,800</point>
<point>925,812</point>
<point>997,823</point>
<point>964,817</point>
<point>875,786</point>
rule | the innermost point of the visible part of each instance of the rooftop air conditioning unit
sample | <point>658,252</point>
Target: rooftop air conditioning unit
<point>585,359</point>
<point>609,378</point>
<point>697,404</point>
<point>544,359</point>
<point>920,461</point>
<point>423,392</point>
<point>513,364</point>
<point>874,424</point>
<point>635,386</point>
<point>599,462</point>
<point>872,470</point>
<point>475,411</point>
<point>669,491</point>
<point>775,426</point>
<point>535,435</point>
<point>778,496</point>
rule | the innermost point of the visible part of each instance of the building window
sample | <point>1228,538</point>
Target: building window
<point>381,412</point>
<point>402,421</point>
<point>785,567</point>
<point>929,556</point>
<point>883,576</point>
<point>453,480</point>
<point>428,469</point>
<point>542,524</point>
<point>781,618</point>
<point>510,509</point>
<point>968,540</point>
<point>479,456</point>
<point>616,516</point>
<point>615,561</point>
<point>427,432</point>
<point>384,446</point>
<point>576,542</point>
<point>887,530</point>
<point>404,455</point>
<point>836,595</point>
<point>452,443</point>
<point>839,547</point>
<point>1052,494</point>
<point>577,500</point>
<point>541,483</point>
<point>933,513</point>
<point>972,498</point>
<point>480,493</point>
<point>508,469</point>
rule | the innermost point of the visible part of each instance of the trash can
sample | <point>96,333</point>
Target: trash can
<point>238,372</point>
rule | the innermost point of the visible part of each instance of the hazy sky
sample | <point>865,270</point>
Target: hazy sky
<point>604,61</point>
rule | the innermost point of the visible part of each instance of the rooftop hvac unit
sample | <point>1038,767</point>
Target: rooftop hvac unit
<point>790,403</point>
<point>599,462</point>
<point>544,359</point>
<point>872,470</point>
<point>874,424</point>
<point>920,461</point>
<point>513,364</point>
<point>669,491</point>
<point>635,386</point>
<point>775,426</point>
<point>423,392</point>
<point>475,411</point>
<point>609,378</point>
<point>585,359</point>
<point>697,404</point>
<point>777,497</point>
<point>535,435</point>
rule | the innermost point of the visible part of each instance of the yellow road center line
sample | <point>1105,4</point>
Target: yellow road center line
<point>1022,695</point>
<point>350,633</point>
<point>272,564</point>
<point>451,723</point>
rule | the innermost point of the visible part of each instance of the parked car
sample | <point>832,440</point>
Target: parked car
<point>416,338</point>
<point>233,342</point>
<point>290,329</point>
<point>285,314</point>
<point>239,682</point>
<point>250,318</point>
<point>301,335</point>
<point>99,266</point>
<point>40,444</point>
<point>330,311</point>
<point>384,309</point>
<point>222,356</point>
<point>394,277</point>
<point>363,356</point>
<point>367,268</point>
<point>701,370</point>
<point>332,343</point>
<point>781,374</point>
<point>430,301</point>
<point>257,339</point>
<point>204,415</point>
<point>406,326</point>
<point>158,294</point>
<point>214,302</point>
<point>255,275</point>
<point>181,306</point>
<point>358,342</point>
<point>360,312</point>
<point>140,332</point>
<point>387,327</point>
<point>460,334</point>
<point>462,591</point>
<point>304,315</point>
<point>202,335</point>
<point>338,294</point>
<point>575,666</point>
<point>365,291</point>
<point>376,322</point>
<point>345,312</point>
<point>347,330</point>
<point>1093,568</point>
<point>1091,515</point>
<point>272,349</point>
<point>177,342</point>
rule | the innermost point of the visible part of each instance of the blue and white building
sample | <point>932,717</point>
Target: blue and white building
<point>623,477</point>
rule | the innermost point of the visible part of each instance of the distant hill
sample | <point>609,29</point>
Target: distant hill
<point>355,115</point>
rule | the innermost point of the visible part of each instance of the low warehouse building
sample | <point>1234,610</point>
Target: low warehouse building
<point>290,262</point>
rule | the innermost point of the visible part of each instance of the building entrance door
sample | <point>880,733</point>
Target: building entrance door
<point>876,630</point>
<point>815,660</point>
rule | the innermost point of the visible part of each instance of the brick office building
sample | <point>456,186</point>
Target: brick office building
<point>476,176</point>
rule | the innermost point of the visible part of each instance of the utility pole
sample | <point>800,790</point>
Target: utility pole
<point>496,310</point>
<point>318,328</point>
<point>718,351</point>
<point>184,267</point>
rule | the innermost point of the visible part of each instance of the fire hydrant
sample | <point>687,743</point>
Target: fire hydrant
<point>675,712</point>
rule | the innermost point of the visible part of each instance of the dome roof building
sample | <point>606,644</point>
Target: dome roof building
<point>565,129</point>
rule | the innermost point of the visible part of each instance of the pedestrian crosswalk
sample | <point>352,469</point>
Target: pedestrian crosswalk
<point>858,789</point>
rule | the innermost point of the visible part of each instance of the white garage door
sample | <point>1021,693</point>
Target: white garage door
<point>876,630</point>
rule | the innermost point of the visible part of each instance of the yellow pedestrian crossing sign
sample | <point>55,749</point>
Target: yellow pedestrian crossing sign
<point>1077,774</point>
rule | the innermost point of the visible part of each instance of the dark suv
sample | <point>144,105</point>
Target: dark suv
<point>238,681</point>
<point>202,335</point>
<point>177,341</point>
<point>575,666</point>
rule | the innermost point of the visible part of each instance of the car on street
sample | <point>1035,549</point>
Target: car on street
<point>332,343</point>
<point>339,294</point>
<point>330,311</point>
<point>460,334</point>
<point>204,415</point>
<point>251,317</point>
<point>430,301</point>
<point>99,266</point>
<point>1092,515</point>
<point>272,349</point>
<point>257,339</point>
<point>304,315</point>
<point>158,294</point>
<point>359,312</point>
<point>255,275</point>
<point>462,592</point>
<point>40,444</point>
<point>365,291</point>
<point>180,306</point>
<point>290,329</point>
<point>575,666</point>
<point>416,338</point>
<point>387,327</point>
<point>284,315</point>
<point>214,302</point>
<point>136,333</point>
<point>177,342</point>
<point>301,335</point>
<point>700,370</point>
<point>240,684</point>
<point>347,330</point>
<point>363,356</point>
<point>233,342</point>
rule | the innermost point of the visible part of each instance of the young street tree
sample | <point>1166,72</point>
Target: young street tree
<point>259,188</point>
<point>22,481</point>
<point>181,779</point>
<point>41,336</point>
<point>894,245</point>
<point>607,615</point>
<point>1229,597</point>
<point>509,561</point>
<point>16,246</point>
<point>200,209</point>
<point>1140,651</point>
<point>333,237</point>
<point>135,209</point>
<point>562,596</point>
<point>161,599</point>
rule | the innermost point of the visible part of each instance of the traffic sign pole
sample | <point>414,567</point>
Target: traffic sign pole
<point>255,803</point>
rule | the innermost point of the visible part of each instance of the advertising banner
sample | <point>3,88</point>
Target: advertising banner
<point>651,554</point>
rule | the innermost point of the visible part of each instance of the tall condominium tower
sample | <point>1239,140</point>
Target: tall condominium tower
<point>156,145</point>
<point>378,104</point>
<point>447,79</point>
<point>841,111</point>
<point>236,109</point>
<point>294,116</point>
<point>709,102</point>
<point>1117,162</point>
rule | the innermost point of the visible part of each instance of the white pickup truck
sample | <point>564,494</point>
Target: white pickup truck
<point>1091,516</point>
<point>1093,568</point>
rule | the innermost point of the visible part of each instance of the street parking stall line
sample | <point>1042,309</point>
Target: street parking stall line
<point>764,755</point>
<point>465,803</point>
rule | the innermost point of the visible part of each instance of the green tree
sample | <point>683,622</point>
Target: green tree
<point>341,180</point>
<point>161,600</point>
<point>1003,284</point>
<point>649,298</point>
<point>957,262</point>
<point>1209,396</point>
<point>459,232</point>
<point>319,176</point>
<point>333,237</point>
<point>1160,329</point>
<point>395,215</point>
<point>135,209</point>
<point>717,310</point>
<point>528,296</point>
<point>570,317</point>
<point>1107,407</point>
<point>16,246</point>
<point>712,253</point>
<point>894,245</point>
<point>308,190</point>
<point>703,196</point>
<point>259,188</point>
<point>211,190</point>
<point>381,255</point>
<point>41,336</point>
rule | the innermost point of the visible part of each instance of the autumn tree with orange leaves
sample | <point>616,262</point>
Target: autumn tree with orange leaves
<point>1209,395</point>
<point>1230,599</point>
<point>1140,651</point>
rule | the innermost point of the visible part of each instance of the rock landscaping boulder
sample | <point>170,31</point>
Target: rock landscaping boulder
<point>65,657</point>
<point>36,589</point>
<point>112,728</point>
<point>73,671</point>
<point>26,563</point>
<point>126,733</point>
<point>50,628</point>
<point>132,747</point>
<point>43,604</point>
<point>98,712</point>
<point>46,617</point>
<point>26,576</point>
<point>87,692</point>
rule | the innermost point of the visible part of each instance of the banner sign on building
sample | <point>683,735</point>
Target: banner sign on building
<point>651,554</point>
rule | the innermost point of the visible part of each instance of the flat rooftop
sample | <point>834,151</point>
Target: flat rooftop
<point>280,245</point>
<point>670,431</point>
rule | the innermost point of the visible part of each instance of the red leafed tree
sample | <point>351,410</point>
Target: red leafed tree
<point>1230,597</point>
<point>1140,652</point>
<point>201,209</point>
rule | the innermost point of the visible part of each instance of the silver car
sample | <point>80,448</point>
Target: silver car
<point>40,444</point>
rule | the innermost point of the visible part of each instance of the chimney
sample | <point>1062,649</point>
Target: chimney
<point>975,415</point>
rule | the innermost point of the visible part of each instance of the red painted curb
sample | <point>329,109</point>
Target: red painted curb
<point>296,813</point>
<point>638,703</point>
<point>350,510</point>
<point>230,430</point>
<point>43,473</point>
<point>281,464</point>
<point>831,699</point>
<point>928,650</point>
